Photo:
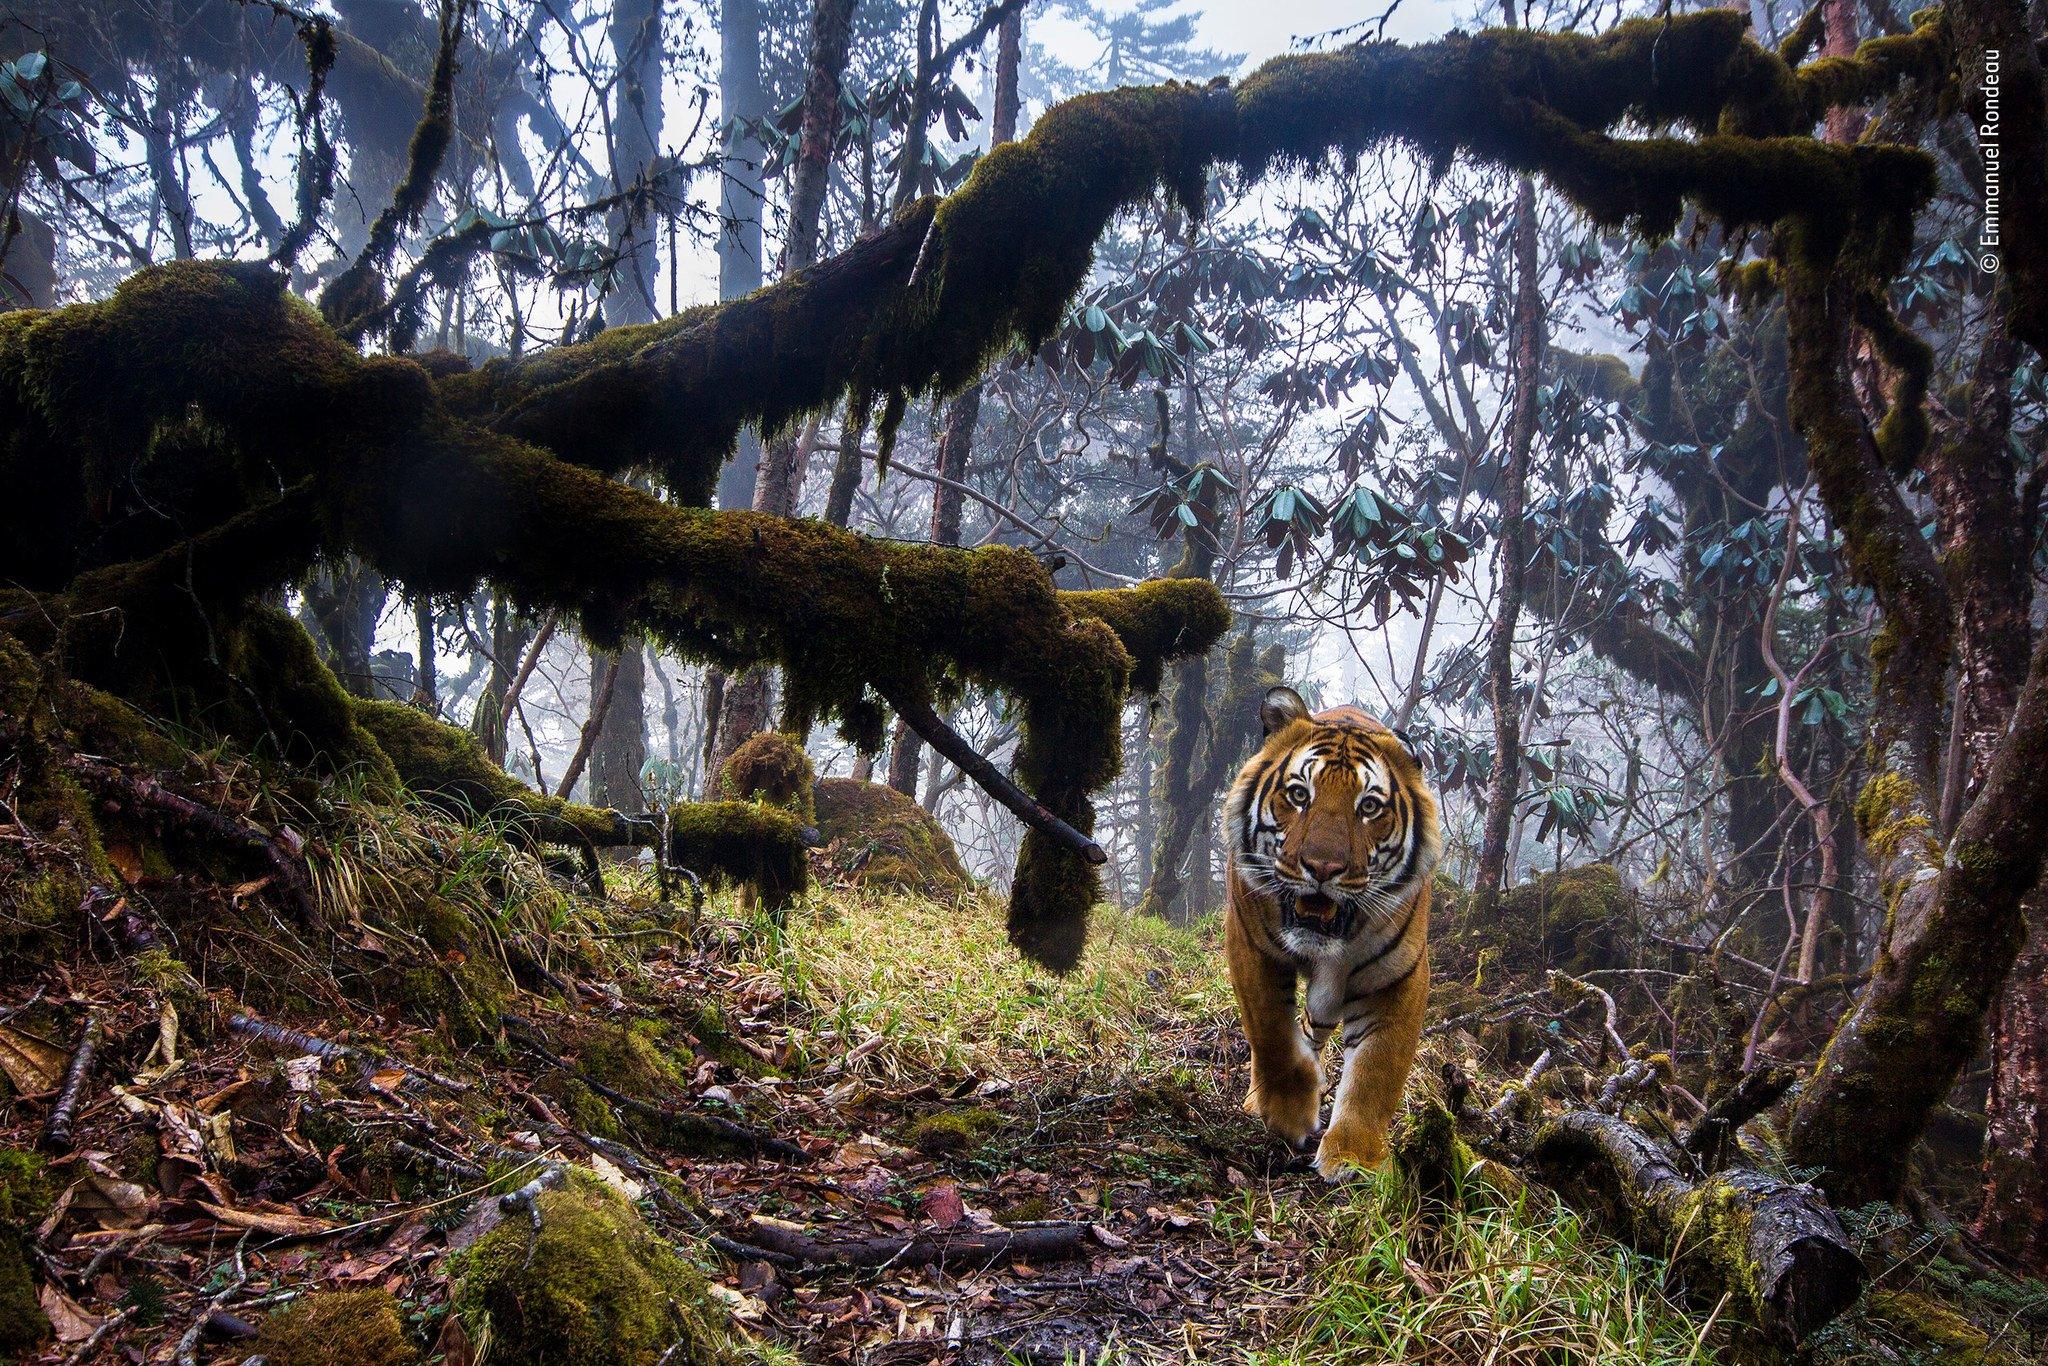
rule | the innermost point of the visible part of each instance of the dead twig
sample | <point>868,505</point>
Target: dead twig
<point>278,1036</point>
<point>56,1135</point>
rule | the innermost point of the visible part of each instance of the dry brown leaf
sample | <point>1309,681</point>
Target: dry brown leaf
<point>32,1065</point>
<point>68,1319</point>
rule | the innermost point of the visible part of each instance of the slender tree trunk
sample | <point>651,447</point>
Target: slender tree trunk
<point>956,432</point>
<point>426,681</point>
<point>620,751</point>
<point>742,104</point>
<point>1503,784</point>
<point>747,700</point>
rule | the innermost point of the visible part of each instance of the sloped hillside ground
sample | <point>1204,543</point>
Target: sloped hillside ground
<point>476,1115</point>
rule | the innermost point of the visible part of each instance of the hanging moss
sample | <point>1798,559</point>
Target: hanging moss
<point>360,1327</point>
<point>594,1286</point>
<point>772,767</point>
<point>1174,618</point>
<point>150,492</point>
<point>874,836</point>
<point>756,845</point>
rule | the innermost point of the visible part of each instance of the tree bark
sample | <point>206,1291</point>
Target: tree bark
<point>1503,784</point>
<point>742,104</point>
<point>1776,1248</point>
<point>620,751</point>
<point>1951,941</point>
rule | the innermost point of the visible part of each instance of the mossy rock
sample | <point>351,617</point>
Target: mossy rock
<point>771,767</point>
<point>877,837</point>
<point>949,1132</point>
<point>358,1327</point>
<point>25,1197</point>
<point>1940,1336</point>
<point>1575,919</point>
<point>595,1286</point>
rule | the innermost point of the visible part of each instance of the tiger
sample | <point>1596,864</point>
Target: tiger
<point>1332,840</point>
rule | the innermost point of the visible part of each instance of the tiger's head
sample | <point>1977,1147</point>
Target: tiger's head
<point>1331,819</point>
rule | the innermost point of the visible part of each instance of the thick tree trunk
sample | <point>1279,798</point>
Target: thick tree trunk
<point>1950,942</point>
<point>1503,784</point>
<point>620,751</point>
<point>2014,1216</point>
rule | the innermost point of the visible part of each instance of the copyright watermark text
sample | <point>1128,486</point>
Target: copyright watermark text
<point>1988,151</point>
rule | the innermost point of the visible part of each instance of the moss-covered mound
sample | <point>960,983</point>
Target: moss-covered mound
<point>447,765</point>
<point>595,1286</point>
<point>757,846</point>
<point>25,1197</point>
<point>360,1327</point>
<point>877,837</point>
<point>1575,920</point>
<point>772,767</point>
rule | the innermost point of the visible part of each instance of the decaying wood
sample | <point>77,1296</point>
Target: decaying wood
<point>287,871</point>
<point>277,1036</point>
<point>57,1128</point>
<point>1037,1242</point>
<point>1775,1247</point>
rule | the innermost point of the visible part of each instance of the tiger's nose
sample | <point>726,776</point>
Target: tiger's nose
<point>1322,870</point>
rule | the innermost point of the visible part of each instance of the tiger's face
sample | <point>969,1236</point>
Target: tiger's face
<point>1331,820</point>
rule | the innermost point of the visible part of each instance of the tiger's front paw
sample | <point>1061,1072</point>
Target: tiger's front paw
<point>1350,1151</point>
<point>1288,1105</point>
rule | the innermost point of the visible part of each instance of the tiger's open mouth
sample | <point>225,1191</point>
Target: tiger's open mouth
<point>1318,913</point>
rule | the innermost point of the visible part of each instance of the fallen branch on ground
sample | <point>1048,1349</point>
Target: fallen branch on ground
<point>1774,1246</point>
<point>1038,1242</point>
<point>277,1036</point>
<point>57,1128</point>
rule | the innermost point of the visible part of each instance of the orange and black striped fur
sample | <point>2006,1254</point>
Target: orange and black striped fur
<point>1332,837</point>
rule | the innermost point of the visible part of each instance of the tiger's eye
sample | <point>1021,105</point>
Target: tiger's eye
<point>1370,806</point>
<point>1297,794</point>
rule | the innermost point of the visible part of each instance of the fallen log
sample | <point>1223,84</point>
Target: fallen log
<point>1774,1247</point>
<point>1041,1242</point>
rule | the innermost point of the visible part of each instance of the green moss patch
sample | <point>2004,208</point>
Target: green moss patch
<point>877,837</point>
<point>595,1286</point>
<point>359,1327</point>
<point>951,1132</point>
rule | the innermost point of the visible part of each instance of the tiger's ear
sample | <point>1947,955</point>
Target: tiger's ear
<point>1281,706</point>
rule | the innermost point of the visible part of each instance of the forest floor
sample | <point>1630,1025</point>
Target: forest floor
<point>941,1093</point>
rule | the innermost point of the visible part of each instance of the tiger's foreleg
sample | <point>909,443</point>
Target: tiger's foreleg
<point>1287,1087</point>
<point>1380,1037</point>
